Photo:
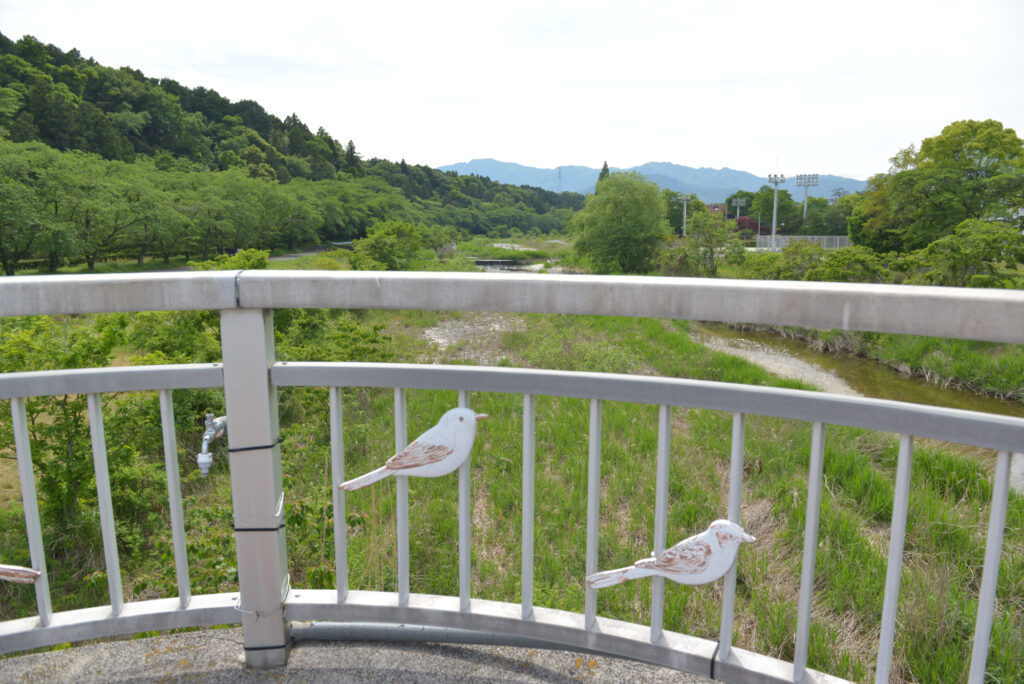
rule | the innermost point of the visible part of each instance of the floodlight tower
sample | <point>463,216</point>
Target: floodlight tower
<point>775,179</point>
<point>806,180</point>
<point>686,197</point>
<point>739,203</point>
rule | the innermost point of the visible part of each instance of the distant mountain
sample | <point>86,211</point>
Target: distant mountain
<point>710,185</point>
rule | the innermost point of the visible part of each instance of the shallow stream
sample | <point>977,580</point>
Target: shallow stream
<point>846,374</point>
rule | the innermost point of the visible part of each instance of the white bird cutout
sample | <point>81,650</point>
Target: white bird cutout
<point>438,451</point>
<point>16,573</point>
<point>699,559</point>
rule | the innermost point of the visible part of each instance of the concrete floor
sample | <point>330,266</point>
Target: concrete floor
<point>215,655</point>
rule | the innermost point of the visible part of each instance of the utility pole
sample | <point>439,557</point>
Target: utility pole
<point>806,180</point>
<point>686,198</point>
<point>775,179</point>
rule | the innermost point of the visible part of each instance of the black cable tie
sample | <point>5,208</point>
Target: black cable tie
<point>256,448</point>
<point>714,657</point>
<point>259,529</point>
<point>264,648</point>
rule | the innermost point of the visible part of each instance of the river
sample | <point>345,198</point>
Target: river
<point>846,374</point>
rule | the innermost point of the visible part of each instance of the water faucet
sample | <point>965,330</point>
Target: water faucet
<point>215,427</point>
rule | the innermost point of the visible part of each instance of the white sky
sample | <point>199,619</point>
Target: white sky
<point>794,87</point>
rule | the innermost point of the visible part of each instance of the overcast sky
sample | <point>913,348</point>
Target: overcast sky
<point>765,87</point>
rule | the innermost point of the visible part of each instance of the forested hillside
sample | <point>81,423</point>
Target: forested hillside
<point>97,161</point>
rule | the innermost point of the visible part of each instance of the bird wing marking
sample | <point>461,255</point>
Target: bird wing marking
<point>687,558</point>
<point>418,454</point>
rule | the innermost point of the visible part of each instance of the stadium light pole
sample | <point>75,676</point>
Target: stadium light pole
<point>775,179</point>
<point>739,203</point>
<point>806,180</point>
<point>686,198</point>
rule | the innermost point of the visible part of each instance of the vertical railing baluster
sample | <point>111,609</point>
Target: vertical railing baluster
<point>735,500</point>
<point>660,516</point>
<point>990,574</point>
<point>402,501</point>
<point>23,449</point>
<point>338,496</point>
<point>106,506</point>
<point>529,472</point>
<point>593,511</point>
<point>894,568</point>
<point>803,624</point>
<point>174,498</point>
<point>465,522</point>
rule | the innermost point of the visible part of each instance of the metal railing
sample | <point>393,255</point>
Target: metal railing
<point>764,242</point>
<point>265,603</point>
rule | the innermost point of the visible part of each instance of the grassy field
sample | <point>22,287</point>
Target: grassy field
<point>944,548</point>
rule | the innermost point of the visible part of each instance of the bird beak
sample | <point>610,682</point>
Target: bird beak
<point>480,416</point>
<point>748,538</point>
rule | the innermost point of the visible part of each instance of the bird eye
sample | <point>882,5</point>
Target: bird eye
<point>461,419</point>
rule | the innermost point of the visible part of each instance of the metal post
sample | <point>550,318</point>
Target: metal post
<point>529,473</point>
<point>735,500</point>
<point>775,179</point>
<point>174,498</point>
<point>26,477</point>
<point>105,502</point>
<point>901,497</point>
<point>803,624</point>
<point>465,523</point>
<point>660,517</point>
<point>402,501</point>
<point>990,573</point>
<point>338,496</point>
<point>593,511</point>
<point>247,342</point>
<point>686,200</point>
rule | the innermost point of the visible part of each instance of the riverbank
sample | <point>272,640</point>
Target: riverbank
<point>982,368</point>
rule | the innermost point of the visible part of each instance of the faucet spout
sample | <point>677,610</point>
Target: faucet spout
<point>215,427</point>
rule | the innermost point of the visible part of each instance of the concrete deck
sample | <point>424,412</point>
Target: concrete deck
<point>215,655</point>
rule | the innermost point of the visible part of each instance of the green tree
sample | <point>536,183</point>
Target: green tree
<point>621,224</point>
<point>972,170</point>
<point>709,241</point>
<point>977,254</point>
<point>604,173</point>
<point>388,246</point>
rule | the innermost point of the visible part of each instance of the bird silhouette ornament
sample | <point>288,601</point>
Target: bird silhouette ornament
<point>699,559</point>
<point>16,573</point>
<point>438,451</point>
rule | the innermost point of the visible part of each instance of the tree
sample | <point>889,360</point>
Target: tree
<point>972,170</point>
<point>977,254</point>
<point>709,241</point>
<point>604,173</point>
<point>621,224</point>
<point>388,246</point>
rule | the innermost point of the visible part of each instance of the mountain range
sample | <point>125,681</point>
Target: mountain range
<point>710,185</point>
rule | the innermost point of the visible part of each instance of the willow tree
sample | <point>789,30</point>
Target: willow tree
<point>621,225</point>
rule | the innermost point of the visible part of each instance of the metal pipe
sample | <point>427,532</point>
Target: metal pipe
<point>593,511</point>
<point>529,473</point>
<point>803,625</point>
<point>990,575</point>
<point>99,460</point>
<point>901,497</point>
<point>735,500</point>
<point>174,499</point>
<point>660,516</point>
<point>465,523</point>
<point>402,501</point>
